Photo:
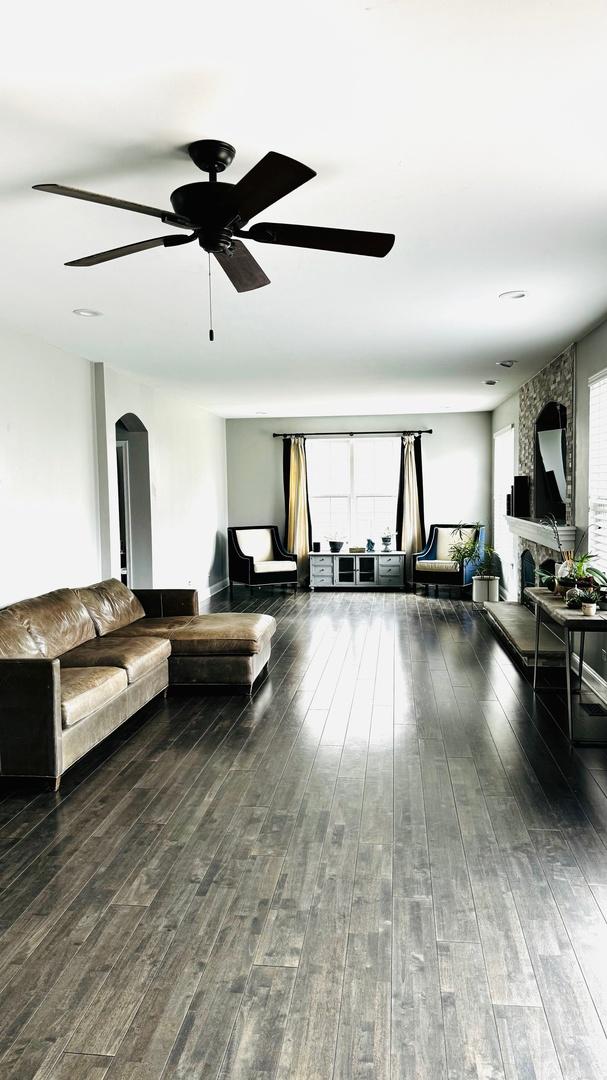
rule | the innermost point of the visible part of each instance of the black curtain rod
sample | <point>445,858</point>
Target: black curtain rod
<point>325,434</point>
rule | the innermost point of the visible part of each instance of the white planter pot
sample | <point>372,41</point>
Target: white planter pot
<point>485,588</point>
<point>588,609</point>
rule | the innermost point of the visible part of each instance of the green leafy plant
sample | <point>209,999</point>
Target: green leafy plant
<point>591,596</point>
<point>584,571</point>
<point>467,549</point>
<point>574,603</point>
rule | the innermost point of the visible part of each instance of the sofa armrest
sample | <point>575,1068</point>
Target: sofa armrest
<point>159,602</point>
<point>30,718</point>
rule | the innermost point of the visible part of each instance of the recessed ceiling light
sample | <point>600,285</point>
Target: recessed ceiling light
<point>86,313</point>
<point>513,294</point>
<point>261,414</point>
<point>491,382</point>
<point>506,363</point>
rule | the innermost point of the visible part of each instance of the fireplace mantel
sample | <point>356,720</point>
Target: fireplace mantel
<point>528,529</point>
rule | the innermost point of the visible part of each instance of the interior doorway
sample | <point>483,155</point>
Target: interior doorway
<point>503,540</point>
<point>134,501</point>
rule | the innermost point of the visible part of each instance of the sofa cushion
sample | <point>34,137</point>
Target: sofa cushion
<point>227,634</point>
<point>84,690</point>
<point>437,566</point>
<point>137,656</point>
<point>16,642</point>
<point>275,566</point>
<point>111,605</point>
<point>445,538</point>
<point>57,621</point>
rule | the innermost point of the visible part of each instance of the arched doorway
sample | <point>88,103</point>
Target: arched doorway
<point>134,501</point>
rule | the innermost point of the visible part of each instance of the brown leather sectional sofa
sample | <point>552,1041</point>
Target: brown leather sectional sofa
<point>77,663</point>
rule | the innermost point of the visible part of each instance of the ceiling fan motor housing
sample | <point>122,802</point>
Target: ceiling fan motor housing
<point>209,207</point>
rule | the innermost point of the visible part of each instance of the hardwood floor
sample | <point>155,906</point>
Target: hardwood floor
<point>387,863</point>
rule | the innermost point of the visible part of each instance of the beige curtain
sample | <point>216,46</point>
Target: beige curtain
<point>298,537</point>
<point>413,538</point>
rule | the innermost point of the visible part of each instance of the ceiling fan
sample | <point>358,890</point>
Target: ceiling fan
<point>215,214</point>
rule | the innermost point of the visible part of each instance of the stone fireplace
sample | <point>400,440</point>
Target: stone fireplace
<point>535,542</point>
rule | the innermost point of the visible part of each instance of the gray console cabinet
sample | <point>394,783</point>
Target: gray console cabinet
<point>371,570</point>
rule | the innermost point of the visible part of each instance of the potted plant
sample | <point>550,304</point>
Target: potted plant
<point>485,583</point>
<point>590,599</point>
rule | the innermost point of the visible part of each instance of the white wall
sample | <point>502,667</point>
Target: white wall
<point>456,462</point>
<point>58,484</point>
<point>49,530</point>
<point>188,481</point>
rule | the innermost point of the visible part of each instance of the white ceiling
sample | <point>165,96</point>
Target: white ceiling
<point>474,130</point>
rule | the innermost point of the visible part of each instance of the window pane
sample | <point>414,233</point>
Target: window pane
<point>328,466</point>
<point>376,466</point>
<point>329,517</point>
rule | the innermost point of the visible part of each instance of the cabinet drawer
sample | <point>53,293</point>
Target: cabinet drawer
<point>322,573</point>
<point>389,560</point>
<point>389,573</point>
<point>321,560</point>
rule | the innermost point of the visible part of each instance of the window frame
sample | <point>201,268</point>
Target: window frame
<point>352,494</point>
<point>596,498</point>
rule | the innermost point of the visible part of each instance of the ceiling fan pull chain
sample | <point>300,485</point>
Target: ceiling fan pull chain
<point>211,331</point>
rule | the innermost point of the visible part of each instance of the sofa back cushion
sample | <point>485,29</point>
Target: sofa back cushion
<point>110,605</point>
<point>16,642</point>
<point>257,543</point>
<point>56,622</point>
<point>446,537</point>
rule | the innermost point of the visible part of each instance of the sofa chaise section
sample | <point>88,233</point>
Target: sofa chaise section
<point>219,649</point>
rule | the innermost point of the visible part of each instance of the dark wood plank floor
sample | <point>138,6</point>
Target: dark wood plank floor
<point>387,863</point>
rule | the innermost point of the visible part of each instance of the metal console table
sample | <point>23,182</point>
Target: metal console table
<point>549,608</point>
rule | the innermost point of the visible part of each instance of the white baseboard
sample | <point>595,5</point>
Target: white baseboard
<point>219,586</point>
<point>593,680</point>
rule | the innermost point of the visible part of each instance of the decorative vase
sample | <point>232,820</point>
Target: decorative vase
<point>588,609</point>
<point>335,546</point>
<point>386,541</point>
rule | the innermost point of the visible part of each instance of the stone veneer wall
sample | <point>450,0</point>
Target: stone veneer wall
<point>555,382</point>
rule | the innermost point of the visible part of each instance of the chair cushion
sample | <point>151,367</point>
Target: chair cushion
<point>111,605</point>
<point>441,566</point>
<point>84,690</point>
<point>257,543</point>
<point>16,642</point>
<point>136,655</point>
<point>275,566</point>
<point>445,538</point>
<point>56,621</point>
<point>227,634</point>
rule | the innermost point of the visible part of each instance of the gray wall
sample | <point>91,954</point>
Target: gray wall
<point>456,458</point>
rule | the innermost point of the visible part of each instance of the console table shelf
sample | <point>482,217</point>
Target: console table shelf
<point>375,570</point>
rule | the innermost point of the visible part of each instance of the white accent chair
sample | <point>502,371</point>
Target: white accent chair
<point>258,557</point>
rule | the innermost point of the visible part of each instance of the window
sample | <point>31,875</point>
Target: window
<point>597,470</point>
<point>503,475</point>
<point>353,487</point>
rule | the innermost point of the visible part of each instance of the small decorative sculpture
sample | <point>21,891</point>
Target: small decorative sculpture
<point>386,538</point>
<point>370,544</point>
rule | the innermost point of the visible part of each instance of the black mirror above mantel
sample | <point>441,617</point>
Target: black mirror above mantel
<point>550,458</point>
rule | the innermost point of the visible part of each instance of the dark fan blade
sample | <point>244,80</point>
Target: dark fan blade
<point>130,249</point>
<point>121,204</point>
<point>349,241</point>
<point>242,269</point>
<point>274,176</point>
